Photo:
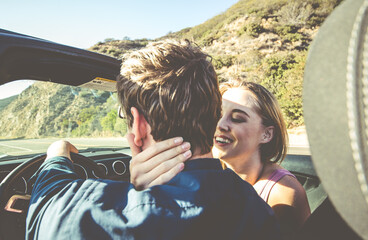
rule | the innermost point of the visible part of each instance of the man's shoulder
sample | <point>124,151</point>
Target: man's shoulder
<point>208,175</point>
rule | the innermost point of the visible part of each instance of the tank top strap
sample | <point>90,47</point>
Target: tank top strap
<point>271,181</point>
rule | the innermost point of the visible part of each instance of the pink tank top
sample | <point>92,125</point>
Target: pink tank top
<point>271,181</point>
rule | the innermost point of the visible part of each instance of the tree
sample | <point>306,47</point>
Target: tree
<point>108,122</point>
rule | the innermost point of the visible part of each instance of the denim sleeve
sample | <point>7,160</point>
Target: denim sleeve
<point>52,177</point>
<point>54,174</point>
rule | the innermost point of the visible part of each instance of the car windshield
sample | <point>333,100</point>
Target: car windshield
<point>33,114</point>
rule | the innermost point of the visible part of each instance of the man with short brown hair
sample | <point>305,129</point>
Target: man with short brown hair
<point>174,87</point>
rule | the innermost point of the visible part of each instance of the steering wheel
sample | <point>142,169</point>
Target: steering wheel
<point>14,206</point>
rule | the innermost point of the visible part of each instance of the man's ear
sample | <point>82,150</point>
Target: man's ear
<point>140,127</point>
<point>267,134</point>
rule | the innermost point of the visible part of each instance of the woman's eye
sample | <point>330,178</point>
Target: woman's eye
<point>237,120</point>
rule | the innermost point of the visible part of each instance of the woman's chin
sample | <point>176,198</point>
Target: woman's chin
<point>218,153</point>
<point>215,152</point>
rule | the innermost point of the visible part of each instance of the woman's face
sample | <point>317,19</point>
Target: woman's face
<point>240,130</point>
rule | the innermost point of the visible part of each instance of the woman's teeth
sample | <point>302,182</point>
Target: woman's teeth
<point>222,140</point>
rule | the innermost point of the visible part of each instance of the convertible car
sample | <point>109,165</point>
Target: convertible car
<point>333,176</point>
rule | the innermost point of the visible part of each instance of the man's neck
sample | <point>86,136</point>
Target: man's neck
<point>196,156</point>
<point>148,141</point>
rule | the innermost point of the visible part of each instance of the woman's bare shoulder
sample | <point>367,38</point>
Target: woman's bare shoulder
<point>288,193</point>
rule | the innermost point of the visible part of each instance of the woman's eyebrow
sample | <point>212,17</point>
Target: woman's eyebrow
<point>236,110</point>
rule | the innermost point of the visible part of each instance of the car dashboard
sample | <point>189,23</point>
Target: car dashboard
<point>114,163</point>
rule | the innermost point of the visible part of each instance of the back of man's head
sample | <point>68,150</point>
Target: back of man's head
<point>174,86</point>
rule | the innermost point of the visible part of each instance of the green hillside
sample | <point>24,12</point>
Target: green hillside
<point>6,101</point>
<point>47,109</point>
<point>265,41</point>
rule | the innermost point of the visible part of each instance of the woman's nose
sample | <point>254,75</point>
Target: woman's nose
<point>223,125</point>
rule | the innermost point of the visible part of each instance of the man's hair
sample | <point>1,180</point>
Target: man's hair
<point>174,86</point>
<point>267,107</point>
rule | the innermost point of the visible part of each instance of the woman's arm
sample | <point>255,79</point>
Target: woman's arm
<point>289,201</point>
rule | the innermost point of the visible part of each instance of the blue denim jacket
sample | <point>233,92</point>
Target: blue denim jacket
<point>201,202</point>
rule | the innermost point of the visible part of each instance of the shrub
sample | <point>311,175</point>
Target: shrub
<point>207,41</point>
<point>286,29</point>
<point>248,59</point>
<point>253,29</point>
<point>87,113</point>
<point>222,61</point>
<point>108,122</point>
<point>292,37</point>
<point>284,78</point>
<point>109,40</point>
<point>315,20</point>
<point>85,93</point>
<point>111,51</point>
<point>295,13</point>
<point>118,53</point>
<point>121,126</point>
<point>289,33</point>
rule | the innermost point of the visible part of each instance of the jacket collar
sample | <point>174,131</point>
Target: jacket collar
<point>203,163</point>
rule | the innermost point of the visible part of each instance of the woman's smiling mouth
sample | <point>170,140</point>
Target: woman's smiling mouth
<point>222,140</point>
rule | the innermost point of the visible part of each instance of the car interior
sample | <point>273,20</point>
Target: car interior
<point>24,57</point>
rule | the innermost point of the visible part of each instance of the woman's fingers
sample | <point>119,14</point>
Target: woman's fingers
<point>145,160</point>
<point>163,158</point>
<point>168,169</point>
<point>153,157</point>
<point>162,173</point>
<point>167,176</point>
<point>158,148</point>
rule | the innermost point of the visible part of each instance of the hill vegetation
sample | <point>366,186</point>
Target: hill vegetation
<point>46,109</point>
<point>264,41</point>
<point>6,101</point>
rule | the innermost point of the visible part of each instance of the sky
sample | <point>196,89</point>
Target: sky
<point>83,23</point>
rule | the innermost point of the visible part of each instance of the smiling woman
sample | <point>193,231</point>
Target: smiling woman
<point>251,139</point>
